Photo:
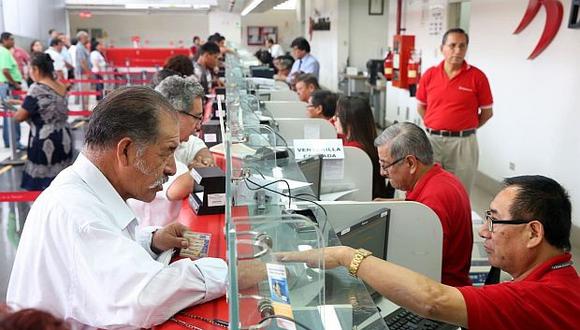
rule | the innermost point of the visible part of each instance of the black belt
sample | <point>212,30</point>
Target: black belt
<point>465,133</point>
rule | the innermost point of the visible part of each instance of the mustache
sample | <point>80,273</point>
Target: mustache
<point>159,182</point>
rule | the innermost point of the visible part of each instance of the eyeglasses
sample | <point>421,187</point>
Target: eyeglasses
<point>386,167</point>
<point>491,221</point>
<point>196,117</point>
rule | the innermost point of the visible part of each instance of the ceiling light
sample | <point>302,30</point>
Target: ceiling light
<point>251,6</point>
<point>286,5</point>
<point>156,5</point>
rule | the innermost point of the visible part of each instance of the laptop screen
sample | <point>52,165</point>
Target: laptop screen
<point>312,169</point>
<point>371,233</point>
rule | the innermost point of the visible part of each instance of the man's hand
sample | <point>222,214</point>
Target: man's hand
<point>250,273</point>
<point>171,236</point>
<point>334,256</point>
<point>201,162</point>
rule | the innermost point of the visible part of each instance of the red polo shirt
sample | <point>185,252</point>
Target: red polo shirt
<point>546,299</point>
<point>445,195</point>
<point>347,143</point>
<point>453,104</point>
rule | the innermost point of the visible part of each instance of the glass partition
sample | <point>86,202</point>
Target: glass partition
<point>264,282</point>
<point>272,210</point>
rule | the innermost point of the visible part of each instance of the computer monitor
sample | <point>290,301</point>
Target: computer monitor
<point>311,167</point>
<point>264,97</point>
<point>371,233</point>
<point>261,71</point>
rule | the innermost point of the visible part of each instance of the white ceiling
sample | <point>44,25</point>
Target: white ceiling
<point>167,5</point>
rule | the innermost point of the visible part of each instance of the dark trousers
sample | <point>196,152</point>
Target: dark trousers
<point>99,87</point>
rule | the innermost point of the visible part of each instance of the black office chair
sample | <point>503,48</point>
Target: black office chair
<point>493,276</point>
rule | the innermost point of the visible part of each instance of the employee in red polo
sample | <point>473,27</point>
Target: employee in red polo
<point>406,159</point>
<point>454,99</point>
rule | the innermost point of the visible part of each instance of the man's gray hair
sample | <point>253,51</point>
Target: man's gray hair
<point>407,139</point>
<point>180,92</point>
<point>82,34</point>
<point>132,112</point>
<point>286,63</point>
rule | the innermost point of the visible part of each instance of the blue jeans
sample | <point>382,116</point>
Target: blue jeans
<point>5,121</point>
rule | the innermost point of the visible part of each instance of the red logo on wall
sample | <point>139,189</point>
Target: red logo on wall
<point>554,13</point>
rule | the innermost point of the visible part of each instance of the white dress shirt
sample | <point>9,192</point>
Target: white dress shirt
<point>72,51</point>
<point>187,150</point>
<point>58,61</point>
<point>162,211</point>
<point>276,50</point>
<point>82,258</point>
<point>66,55</point>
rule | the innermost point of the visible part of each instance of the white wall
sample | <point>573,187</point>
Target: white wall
<point>535,125</point>
<point>227,24</point>
<point>415,21</point>
<point>159,29</point>
<point>330,47</point>
<point>33,18</point>
<point>285,20</point>
<point>368,34</point>
<point>535,101</point>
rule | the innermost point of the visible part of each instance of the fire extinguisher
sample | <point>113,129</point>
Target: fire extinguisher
<point>389,65</point>
<point>414,68</point>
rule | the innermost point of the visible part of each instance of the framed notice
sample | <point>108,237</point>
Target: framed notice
<point>257,35</point>
<point>376,7</point>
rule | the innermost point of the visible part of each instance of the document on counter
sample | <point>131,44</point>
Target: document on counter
<point>239,150</point>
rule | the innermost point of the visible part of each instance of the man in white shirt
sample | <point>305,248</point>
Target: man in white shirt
<point>72,51</point>
<point>54,51</point>
<point>185,94</point>
<point>82,256</point>
<point>66,55</point>
<point>274,48</point>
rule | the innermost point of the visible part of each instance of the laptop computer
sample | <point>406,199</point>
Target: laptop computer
<point>311,167</point>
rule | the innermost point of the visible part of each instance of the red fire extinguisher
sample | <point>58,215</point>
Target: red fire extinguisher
<point>389,65</point>
<point>414,68</point>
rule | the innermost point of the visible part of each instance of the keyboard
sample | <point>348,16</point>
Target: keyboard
<point>403,319</point>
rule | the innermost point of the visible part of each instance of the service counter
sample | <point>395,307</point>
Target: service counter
<point>348,296</point>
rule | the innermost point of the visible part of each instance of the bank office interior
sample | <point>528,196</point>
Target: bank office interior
<point>534,128</point>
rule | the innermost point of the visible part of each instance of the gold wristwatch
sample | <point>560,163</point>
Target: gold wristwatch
<point>359,256</point>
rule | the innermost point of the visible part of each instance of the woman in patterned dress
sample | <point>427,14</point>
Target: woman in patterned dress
<point>45,109</point>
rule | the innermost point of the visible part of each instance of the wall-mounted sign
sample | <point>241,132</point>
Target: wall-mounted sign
<point>573,22</point>
<point>436,19</point>
<point>85,14</point>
